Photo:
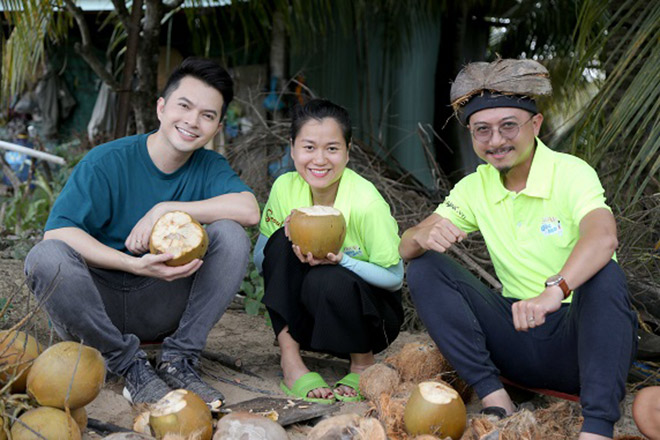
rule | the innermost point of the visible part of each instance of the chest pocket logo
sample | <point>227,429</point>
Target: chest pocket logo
<point>551,226</point>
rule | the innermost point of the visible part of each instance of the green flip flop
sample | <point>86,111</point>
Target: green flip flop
<point>350,380</point>
<point>306,383</point>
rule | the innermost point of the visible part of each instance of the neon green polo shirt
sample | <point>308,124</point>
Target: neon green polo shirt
<point>371,231</point>
<point>530,234</point>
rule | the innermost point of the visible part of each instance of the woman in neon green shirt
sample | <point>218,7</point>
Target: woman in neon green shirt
<point>348,304</point>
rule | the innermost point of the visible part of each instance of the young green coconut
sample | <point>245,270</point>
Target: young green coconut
<point>53,371</point>
<point>181,412</point>
<point>50,423</point>
<point>318,229</point>
<point>177,233</point>
<point>17,351</point>
<point>435,408</point>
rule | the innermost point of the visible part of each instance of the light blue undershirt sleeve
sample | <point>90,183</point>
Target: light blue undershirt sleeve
<point>390,278</point>
<point>258,254</point>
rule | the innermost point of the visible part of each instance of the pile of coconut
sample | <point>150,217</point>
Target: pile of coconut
<point>45,391</point>
<point>416,394</point>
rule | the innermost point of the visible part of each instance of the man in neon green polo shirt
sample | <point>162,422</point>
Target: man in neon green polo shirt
<point>564,319</point>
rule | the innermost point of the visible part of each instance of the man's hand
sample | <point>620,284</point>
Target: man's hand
<point>137,241</point>
<point>309,258</point>
<point>531,313</point>
<point>150,265</point>
<point>439,236</point>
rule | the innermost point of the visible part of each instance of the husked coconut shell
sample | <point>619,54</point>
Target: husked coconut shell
<point>378,379</point>
<point>17,351</point>
<point>50,423</point>
<point>181,412</point>
<point>435,408</point>
<point>507,76</point>
<point>246,426</point>
<point>348,427</point>
<point>177,233</point>
<point>128,436</point>
<point>80,416</point>
<point>318,229</point>
<point>52,372</point>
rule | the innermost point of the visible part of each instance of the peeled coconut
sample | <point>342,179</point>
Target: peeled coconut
<point>318,229</point>
<point>80,416</point>
<point>378,379</point>
<point>3,434</point>
<point>181,412</point>
<point>52,372</point>
<point>177,233</point>
<point>50,423</point>
<point>248,426</point>
<point>17,351</point>
<point>435,408</point>
<point>348,426</point>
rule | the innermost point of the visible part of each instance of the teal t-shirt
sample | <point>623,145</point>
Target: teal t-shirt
<point>371,231</point>
<point>116,183</point>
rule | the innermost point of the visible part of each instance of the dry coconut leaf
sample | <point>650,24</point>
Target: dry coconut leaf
<point>516,77</point>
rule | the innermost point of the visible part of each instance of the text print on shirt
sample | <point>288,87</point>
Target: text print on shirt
<point>551,226</point>
<point>269,212</point>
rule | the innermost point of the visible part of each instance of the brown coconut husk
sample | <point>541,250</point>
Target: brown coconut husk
<point>419,362</point>
<point>510,77</point>
<point>378,379</point>
<point>559,421</point>
<point>390,412</point>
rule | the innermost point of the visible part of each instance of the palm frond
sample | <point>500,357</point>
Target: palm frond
<point>622,120</point>
<point>33,21</point>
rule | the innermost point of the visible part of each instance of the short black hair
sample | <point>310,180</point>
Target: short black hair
<point>207,71</point>
<point>319,109</point>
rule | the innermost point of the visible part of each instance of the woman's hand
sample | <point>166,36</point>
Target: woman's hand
<point>286,226</point>
<point>309,258</point>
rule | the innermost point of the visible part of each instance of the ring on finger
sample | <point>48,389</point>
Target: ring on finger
<point>530,319</point>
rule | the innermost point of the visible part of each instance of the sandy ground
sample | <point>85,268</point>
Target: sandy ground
<point>240,336</point>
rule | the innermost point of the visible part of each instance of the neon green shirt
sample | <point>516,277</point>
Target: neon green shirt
<point>529,235</point>
<point>371,231</point>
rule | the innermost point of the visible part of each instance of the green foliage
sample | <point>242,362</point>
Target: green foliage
<point>253,289</point>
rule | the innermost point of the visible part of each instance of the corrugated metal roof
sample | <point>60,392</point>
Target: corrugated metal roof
<point>106,5</point>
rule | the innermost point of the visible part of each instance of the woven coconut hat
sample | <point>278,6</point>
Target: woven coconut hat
<point>502,83</point>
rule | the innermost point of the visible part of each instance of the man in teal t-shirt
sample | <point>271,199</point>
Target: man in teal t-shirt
<point>93,270</point>
<point>563,320</point>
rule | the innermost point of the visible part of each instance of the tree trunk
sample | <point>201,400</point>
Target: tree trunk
<point>145,95</point>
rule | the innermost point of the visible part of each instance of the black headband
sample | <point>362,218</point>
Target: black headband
<point>492,100</point>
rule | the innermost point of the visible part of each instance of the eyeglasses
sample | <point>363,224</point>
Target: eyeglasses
<point>508,130</point>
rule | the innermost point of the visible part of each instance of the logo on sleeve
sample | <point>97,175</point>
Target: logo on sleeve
<point>353,251</point>
<point>551,226</point>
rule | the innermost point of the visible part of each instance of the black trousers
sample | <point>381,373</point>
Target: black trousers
<point>585,347</point>
<point>328,308</point>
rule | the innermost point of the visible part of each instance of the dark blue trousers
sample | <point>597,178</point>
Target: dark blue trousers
<point>586,347</point>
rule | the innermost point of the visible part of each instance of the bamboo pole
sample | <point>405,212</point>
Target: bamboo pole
<point>33,153</point>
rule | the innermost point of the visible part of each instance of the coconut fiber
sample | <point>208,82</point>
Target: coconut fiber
<point>507,77</point>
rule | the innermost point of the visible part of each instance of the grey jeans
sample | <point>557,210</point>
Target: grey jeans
<point>114,311</point>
